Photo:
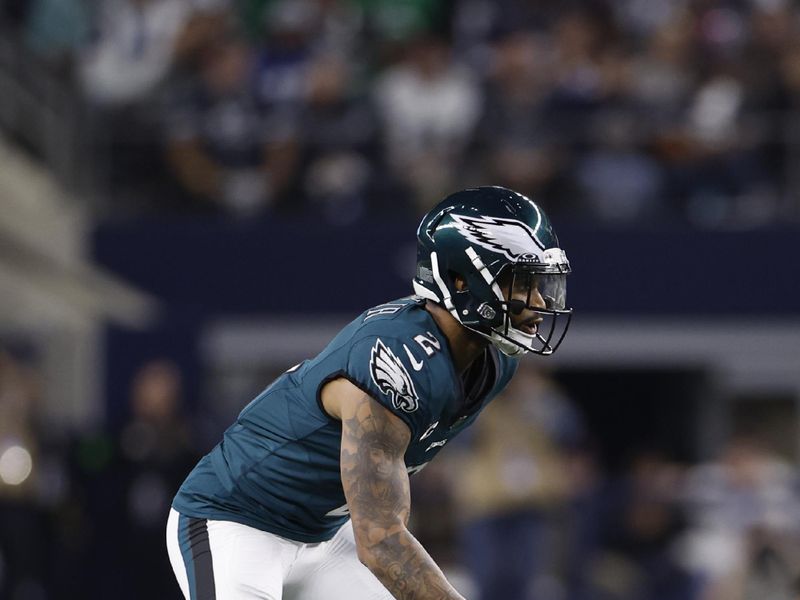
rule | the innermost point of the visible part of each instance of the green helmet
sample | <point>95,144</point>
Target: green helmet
<point>497,241</point>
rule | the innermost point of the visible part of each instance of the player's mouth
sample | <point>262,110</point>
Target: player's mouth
<point>531,326</point>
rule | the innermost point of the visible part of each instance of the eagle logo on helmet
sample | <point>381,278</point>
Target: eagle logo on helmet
<point>392,378</point>
<point>509,237</point>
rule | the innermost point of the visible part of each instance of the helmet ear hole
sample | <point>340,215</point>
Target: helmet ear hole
<point>459,282</point>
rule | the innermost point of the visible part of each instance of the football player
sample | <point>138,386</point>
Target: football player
<point>307,495</point>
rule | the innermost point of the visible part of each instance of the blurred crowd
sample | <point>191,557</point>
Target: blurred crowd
<point>626,111</point>
<point>608,111</point>
<point>82,512</point>
<point>522,508</point>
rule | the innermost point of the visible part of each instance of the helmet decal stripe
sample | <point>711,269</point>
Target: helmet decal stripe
<point>487,277</point>
<point>448,301</point>
<point>509,237</point>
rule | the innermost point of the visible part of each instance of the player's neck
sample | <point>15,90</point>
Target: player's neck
<point>465,345</point>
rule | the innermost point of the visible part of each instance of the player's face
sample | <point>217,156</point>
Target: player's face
<point>521,290</point>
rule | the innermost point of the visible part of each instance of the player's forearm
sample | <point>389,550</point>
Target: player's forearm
<point>376,486</point>
<point>405,568</point>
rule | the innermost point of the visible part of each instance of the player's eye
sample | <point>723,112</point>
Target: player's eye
<point>524,282</point>
<point>519,287</point>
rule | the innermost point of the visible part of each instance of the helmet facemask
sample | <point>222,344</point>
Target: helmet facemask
<point>492,306</point>
<point>534,317</point>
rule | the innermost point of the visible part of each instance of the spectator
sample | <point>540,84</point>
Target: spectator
<point>511,481</point>
<point>515,139</point>
<point>339,146</point>
<point>641,558</point>
<point>284,59</point>
<point>723,170</point>
<point>227,150</point>
<point>578,46</point>
<point>138,46</point>
<point>401,20</point>
<point>662,75</point>
<point>139,41</point>
<point>643,19</point>
<point>429,107</point>
<point>122,479</point>
<point>618,181</point>
<point>744,511</point>
<point>709,87</point>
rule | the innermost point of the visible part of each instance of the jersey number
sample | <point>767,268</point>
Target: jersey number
<point>428,342</point>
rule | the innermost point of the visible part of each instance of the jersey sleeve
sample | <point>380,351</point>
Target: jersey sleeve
<point>382,367</point>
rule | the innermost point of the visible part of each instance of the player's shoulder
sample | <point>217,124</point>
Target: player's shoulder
<point>394,310</point>
<point>397,318</point>
<point>401,327</point>
<point>400,356</point>
<point>394,328</point>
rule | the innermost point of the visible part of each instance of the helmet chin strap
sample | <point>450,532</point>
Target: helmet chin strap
<point>505,346</point>
<point>511,347</point>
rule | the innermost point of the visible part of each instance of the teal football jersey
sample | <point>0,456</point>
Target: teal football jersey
<point>277,467</point>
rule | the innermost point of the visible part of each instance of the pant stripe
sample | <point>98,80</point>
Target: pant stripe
<point>196,551</point>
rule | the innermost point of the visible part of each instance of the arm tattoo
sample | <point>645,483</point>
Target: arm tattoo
<point>377,490</point>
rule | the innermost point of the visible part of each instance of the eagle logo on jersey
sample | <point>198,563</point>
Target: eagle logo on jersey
<point>392,378</point>
<point>506,236</point>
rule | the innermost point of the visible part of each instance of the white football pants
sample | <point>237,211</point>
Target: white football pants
<point>222,560</point>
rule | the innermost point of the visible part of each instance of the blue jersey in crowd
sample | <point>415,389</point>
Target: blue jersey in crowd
<point>277,467</point>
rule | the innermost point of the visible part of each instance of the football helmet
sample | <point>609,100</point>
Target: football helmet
<point>503,246</point>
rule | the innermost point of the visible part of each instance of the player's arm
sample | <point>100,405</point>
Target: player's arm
<point>377,490</point>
